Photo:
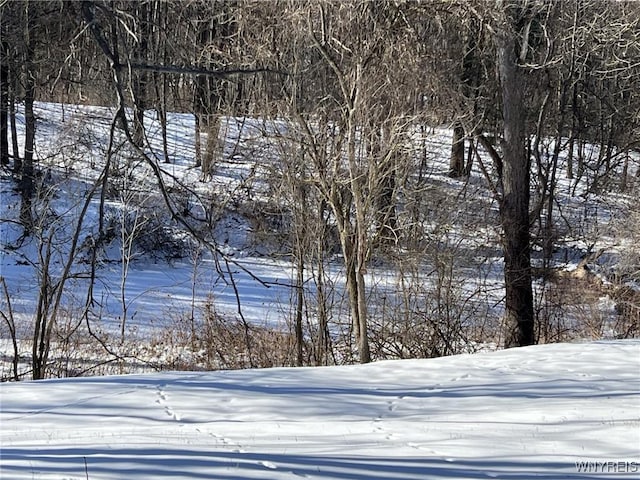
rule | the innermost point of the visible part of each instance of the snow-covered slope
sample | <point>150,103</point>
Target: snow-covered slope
<point>522,413</point>
<point>153,286</point>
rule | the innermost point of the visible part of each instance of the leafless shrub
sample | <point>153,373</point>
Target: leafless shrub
<point>580,304</point>
<point>627,308</point>
<point>222,341</point>
<point>431,313</point>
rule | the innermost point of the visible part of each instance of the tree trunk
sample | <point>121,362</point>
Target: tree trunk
<point>17,161</point>
<point>140,80</point>
<point>213,147</point>
<point>468,166</point>
<point>42,341</point>
<point>359,244</point>
<point>198,138</point>
<point>299,307</point>
<point>27,174</point>
<point>4,105</point>
<point>27,177</point>
<point>158,17</point>
<point>456,162</point>
<point>514,207</point>
<point>384,161</point>
<point>351,282</point>
<point>572,141</point>
<point>322,341</point>
<point>387,218</point>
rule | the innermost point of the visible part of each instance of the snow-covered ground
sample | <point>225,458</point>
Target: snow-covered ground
<point>552,411</point>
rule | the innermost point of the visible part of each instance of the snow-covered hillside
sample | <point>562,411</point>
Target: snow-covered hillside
<point>154,287</point>
<point>552,411</point>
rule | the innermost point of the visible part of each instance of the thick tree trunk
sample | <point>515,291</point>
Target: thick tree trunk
<point>514,208</point>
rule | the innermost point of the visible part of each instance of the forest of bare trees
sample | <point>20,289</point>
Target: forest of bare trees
<point>530,89</point>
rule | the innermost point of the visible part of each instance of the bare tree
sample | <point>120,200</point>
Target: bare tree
<point>514,207</point>
<point>29,74</point>
<point>456,163</point>
<point>140,81</point>
<point>4,100</point>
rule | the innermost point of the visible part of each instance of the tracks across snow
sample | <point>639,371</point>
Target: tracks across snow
<point>516,414</point>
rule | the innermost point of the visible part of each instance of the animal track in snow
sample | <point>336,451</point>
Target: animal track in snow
<point>226,442</point>
<point>393,404</point>
<point>461,377</point>
<point>171,413</point>
<point>161,400</point>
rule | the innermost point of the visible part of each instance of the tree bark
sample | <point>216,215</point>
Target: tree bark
<point>140,78</point>
<point>456,162</point>
<point>299,334</point>
<point>359,244</point>
<point>4,104</point>
<point>15,148</point>
<point>27,183</point>
<point>514,207</point>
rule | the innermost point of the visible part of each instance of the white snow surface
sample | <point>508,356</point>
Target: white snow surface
<point>534,412</point>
